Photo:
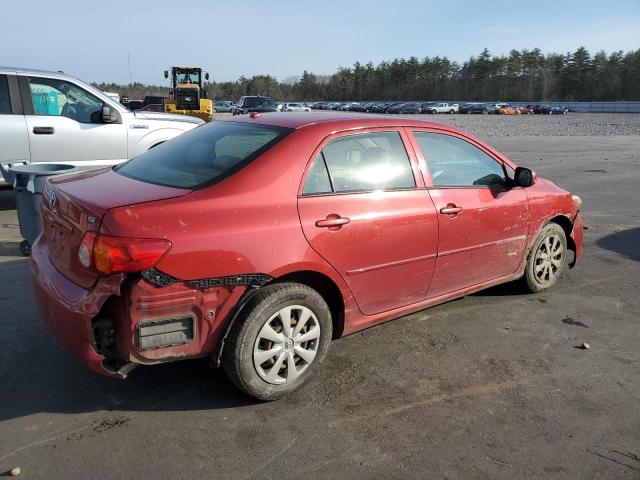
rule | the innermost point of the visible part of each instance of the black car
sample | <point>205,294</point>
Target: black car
<point>474,108</point>
<point>394,108</point>
<point>405,108</point>
<point>549,110</point>
<point>251,104</point>
<point>133,104</point>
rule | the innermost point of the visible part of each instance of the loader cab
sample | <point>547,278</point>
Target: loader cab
<point>186,87</point>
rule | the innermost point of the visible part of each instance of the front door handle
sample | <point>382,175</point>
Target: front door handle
<point>333,222</point>
<point>451,209</point>
<point>43,130</point>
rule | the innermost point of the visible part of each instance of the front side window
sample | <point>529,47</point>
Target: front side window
<point>454,162</point>
<point>204,155</point>
<point>53,97</point>
<point>368,161</point>
<point>5,101</point>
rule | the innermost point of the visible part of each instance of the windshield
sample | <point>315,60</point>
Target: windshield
<point>188,76</point>
<point>204,155</point>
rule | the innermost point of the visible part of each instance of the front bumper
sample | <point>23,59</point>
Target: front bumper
<point>68,309</point>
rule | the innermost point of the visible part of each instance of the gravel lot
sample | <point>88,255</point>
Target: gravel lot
<point>489,386</point>
<point>569,125</point>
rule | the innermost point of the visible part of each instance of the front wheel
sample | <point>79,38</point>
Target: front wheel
<point>547,258</point>
<point>279,341</point>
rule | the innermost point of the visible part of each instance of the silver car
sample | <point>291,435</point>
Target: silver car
<point>51,117</point>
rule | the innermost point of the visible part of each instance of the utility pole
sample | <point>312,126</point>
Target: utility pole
<point>130,76</point>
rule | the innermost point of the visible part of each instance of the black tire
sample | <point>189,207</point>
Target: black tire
<point>25,248</point>
<point>533,281</point>
<point>238,355</point>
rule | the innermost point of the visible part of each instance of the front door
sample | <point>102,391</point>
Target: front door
<point>362,210</point>
<point>65,125</point>
<point>482,219</point>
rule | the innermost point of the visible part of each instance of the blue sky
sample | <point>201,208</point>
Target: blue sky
<point>91,40</point>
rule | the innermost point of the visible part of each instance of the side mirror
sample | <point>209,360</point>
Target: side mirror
<point>523,177</point>
<point>109,115</point>
<point>206,76</point>
<point>166,74</point>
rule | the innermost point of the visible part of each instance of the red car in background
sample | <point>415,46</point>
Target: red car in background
<point>256,241</point>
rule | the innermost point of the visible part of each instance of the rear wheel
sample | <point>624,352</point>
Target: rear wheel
<point>25,248</point>
<point>281,339</point>
<point>547,258</point>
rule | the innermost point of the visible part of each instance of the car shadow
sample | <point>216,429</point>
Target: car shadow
<point>504,289</point>
<point>39,376</point>
<point>625,243</point>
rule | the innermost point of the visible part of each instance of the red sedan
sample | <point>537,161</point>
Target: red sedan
<point>256,241</point>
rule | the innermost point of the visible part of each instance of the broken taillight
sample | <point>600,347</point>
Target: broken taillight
<point>106,254</point>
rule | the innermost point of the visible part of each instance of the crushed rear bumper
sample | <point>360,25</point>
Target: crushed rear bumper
<point>68,309</point>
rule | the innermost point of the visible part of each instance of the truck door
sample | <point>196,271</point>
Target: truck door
<point>14,141</point>
<point>64,124</point>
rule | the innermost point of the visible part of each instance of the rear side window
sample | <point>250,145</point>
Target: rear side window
<point>454,162</point>
<point>204,155</point>
<point>368,161</point>
<point>318,180</point>
<point>5,102</point>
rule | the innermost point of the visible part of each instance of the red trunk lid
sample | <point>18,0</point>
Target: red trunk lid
<point>74,204</point>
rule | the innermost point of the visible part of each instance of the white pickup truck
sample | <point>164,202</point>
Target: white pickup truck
<point>50,117</point>
<point>442,108</point>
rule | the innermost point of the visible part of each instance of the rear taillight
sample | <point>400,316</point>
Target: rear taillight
<point>105,254</point>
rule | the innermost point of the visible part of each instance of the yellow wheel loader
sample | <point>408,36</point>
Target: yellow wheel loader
<point>187,95</point>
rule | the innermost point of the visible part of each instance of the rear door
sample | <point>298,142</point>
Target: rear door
<point>483,220</point>
<point>14,141</point>
<point>365,211</point>
<point>64,124</point>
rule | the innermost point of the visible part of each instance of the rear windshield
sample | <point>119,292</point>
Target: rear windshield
<point>204,155</point>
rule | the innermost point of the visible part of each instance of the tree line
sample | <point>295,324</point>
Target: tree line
<point>522,75</point>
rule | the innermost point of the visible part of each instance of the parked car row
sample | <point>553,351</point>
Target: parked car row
<point>257,103</point>
<point>439,107</point>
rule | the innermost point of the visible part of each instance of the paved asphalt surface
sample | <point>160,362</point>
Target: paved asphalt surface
<point>489,386</point>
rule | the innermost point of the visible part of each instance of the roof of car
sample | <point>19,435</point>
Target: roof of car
<point>346,120</point>
<point>30,70</point>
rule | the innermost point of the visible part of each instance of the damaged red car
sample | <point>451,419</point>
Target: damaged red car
<point>255,242</point>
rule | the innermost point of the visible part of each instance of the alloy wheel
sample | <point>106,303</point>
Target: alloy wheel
<point>548,260</point>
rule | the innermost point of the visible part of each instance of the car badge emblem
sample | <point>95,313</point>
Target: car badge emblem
<point>52,199</point>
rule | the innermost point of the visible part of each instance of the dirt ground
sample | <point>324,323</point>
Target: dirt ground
<point>491,386</point>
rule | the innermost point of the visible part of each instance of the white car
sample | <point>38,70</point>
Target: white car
<point>295,107</point>
<point>50,117</point>
<point>442,108</point>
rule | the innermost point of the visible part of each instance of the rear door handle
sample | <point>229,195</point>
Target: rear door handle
<point>333,222</point>
<point>43,130</point>
<point>451,209</point>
